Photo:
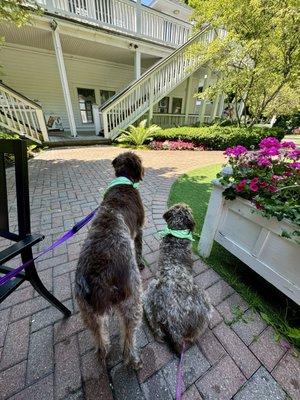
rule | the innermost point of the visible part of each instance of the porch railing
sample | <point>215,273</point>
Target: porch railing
<point>20,115</point>
<point>125,16</point>
<point>131,103</point>
<point>170,120</point>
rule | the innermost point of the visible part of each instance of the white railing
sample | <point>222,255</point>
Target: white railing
<point>130,104</point>
<point>21,115</point>
<point>170,120</point>
<point>125,16</point>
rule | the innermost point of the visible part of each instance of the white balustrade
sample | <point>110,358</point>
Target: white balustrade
<point>123,15</point>
<point>128,106</point>
<point>21,115</point>
<point>170,120</point>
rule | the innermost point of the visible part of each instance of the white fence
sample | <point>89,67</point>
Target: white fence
<point>123,15</point>
<point>21,115</point>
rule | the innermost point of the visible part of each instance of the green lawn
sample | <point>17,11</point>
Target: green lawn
<point>194,189</point>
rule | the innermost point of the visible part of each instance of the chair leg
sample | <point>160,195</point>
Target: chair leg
<point>32,276</point>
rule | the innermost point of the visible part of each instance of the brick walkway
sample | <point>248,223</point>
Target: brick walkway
<point>44,357</point>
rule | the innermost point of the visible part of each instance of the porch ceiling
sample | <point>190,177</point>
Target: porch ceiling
<point>32,36</point>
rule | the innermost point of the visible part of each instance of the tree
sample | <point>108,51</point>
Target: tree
<point>258,58</point>
<point>14,11</point>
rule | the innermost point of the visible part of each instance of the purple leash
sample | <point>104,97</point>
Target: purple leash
<point>67,235</point>
<point>179,376</point>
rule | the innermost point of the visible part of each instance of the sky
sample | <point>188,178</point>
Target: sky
<point>146,2</point>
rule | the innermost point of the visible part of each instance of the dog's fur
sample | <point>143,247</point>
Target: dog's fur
<point>174,305</point>
<point>107,275</point>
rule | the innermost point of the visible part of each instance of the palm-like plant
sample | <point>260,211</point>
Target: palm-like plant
<point>137,135</point>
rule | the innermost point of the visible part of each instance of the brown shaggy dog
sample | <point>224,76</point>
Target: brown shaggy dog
<point>107,275</point>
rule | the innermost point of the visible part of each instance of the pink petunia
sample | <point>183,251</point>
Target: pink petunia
<point>288,144</point>
<point>264,162</point>
<point>295,165</point>
<point>235,151</point>
<point>269,142</point>
<point>241,185</point>
<point>254,185</point>
<point>264,184</point>
<point>272,189</point>
<point>294,155</point>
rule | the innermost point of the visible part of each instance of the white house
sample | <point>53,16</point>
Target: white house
<point>96,66</point>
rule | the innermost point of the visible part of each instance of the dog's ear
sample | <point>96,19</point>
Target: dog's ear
<point>189,220</point>
<point>168,215</point>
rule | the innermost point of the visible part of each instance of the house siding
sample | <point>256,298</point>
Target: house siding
<point>34,73</point>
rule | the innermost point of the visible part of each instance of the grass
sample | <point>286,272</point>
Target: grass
<point>194,188</point>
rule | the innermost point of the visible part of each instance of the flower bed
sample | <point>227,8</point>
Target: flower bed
<point>269,178</point>
<point>261,225</point>
<point>217,137</point>
<point>174,145</point>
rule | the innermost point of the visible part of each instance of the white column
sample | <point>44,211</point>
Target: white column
<point>138,17</point>
<point>203,102</point>
<point>96,118</point>
<point>63,78</point>
<point>221,105</point>
<point>188,92</point>
<point>137,63</point>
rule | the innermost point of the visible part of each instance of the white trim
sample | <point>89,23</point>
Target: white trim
<point>64,81</point>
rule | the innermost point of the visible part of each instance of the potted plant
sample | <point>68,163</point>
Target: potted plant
<point>254,212</point>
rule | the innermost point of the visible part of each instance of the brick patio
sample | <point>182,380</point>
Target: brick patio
<point>44,357</point>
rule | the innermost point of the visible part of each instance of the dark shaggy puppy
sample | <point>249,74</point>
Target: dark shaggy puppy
<point>174,305</point>
<point>107,275</point>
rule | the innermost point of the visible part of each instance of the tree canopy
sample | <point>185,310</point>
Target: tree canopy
<point>258,59</point>
<point>14,11</point>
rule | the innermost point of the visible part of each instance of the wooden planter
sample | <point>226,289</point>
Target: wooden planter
<point>254,239</point>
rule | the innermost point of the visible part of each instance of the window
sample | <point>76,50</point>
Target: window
<point>176,105</point>
<point>163,105</point>
<point>199,101</point>
<point>86,99</point>
<point>105,95</point>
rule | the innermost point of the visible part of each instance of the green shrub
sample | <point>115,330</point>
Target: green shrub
<point>219,138</point>
<point>137,135</point>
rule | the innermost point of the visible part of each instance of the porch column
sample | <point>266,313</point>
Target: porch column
<point>188,92</point>
<point>137,63</point>
<point>138,17</point>
<point>63,77</point>
<point>203,103</point>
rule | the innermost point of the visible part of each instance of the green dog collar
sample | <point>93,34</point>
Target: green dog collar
<point>122,180</point>
<point>181,234</point>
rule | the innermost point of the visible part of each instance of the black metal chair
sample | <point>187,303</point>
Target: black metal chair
<point>24,240</point>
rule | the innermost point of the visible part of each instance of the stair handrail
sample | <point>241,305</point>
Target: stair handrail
<point>156,66</point>
<point>17,120</point>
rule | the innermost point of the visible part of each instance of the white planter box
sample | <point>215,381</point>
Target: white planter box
<point>254,239</point>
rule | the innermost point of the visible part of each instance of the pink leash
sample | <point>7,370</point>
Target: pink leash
<point>179,376</point>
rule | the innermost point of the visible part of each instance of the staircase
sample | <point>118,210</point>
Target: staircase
<point>22,116</point>
<point>139,97</point>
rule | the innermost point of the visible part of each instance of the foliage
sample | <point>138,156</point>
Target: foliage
<point>280,312</point>
<point>137,135</point>
<point>15,12</point>
<point>174,145</point>
<point>288,122</point>
<point>269,177</point>
<point>258,58</point>
<point>217,137</point>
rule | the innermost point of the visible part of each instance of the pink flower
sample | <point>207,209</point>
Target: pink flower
<point>272,189</point>
<point>269,142</point>
<point>276,178</point>
<point>294,155</point>
<point>264,162</point>
<point>264,184</point>
<point>287,173</point>
<point>235,151</point>
<point>254,185</point>
<point>288,144</point>
<point>241,185</point>
<point>295,165</point>
<point>258,206</point>
<point>270,151</point>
